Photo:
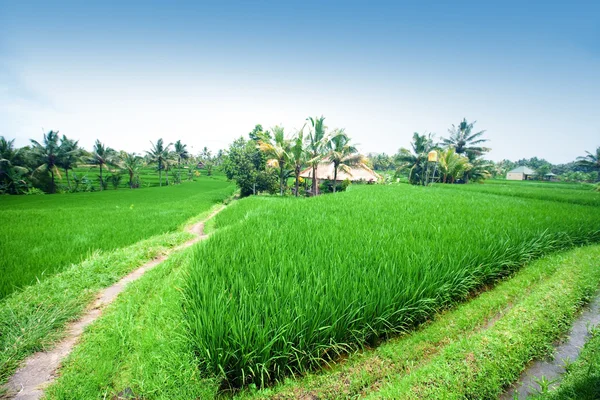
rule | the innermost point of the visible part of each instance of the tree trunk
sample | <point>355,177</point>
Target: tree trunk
<point>52,190</point>
<point>167,176</point>
<point>130,179</point>
<point>159,174</point>
<point>280,179</point>
<point>297,171</point>
<point>314,180</point>
<point>335,168</point>
<point>67,175</point>
<point>101,180</point>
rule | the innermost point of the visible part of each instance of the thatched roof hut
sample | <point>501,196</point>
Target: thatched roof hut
<point>325,171</point>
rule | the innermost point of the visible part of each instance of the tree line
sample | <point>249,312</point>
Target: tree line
<point>460,158</point>
<point>269,158</point>
<point>36,167</point>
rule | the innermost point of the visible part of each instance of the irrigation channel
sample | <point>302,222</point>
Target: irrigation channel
<point>40,369</point>
<point>566,352</point>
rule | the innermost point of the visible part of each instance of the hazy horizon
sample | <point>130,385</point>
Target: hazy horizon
<point>208,73</point>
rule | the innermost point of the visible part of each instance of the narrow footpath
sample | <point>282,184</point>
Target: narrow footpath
<point>40,369</point>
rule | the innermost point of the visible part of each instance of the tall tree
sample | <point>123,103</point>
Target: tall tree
<point>159,154</point>
<point>68,155</point>
<point>182,154</point>
<point>416,160</point>
<point>341,153</point>
<point>464,140</point>
<point>102,156</point>
<point>132,163</point>
<point>316,146</point>
<point>278,150</point>
<point>12,176</point>
<point>46,154</point>
<point>591,162</point>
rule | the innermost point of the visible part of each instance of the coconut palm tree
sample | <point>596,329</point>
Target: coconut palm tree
<point>159,154</point>
<point>416,159</point>
<point>452,166</point>
<point>102,156</point>
<point>68,156</point>
<point>278,150</point>
<point>46,154</point>
<point>591,161</point>
<point>182,154</point>
<point>464,140</point>
<point>11,174</point>
<point>316,147</point>
<point>341,153</point>
<point>132,163</point>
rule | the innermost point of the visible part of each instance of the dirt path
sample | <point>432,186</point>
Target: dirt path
<point>40,369</point>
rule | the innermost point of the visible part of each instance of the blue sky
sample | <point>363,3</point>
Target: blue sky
<point>206,73</point>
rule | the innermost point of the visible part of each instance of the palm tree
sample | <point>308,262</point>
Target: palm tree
<point>591,161</point>
<point>68,156</point>
<point>182,154</point>
<point>341,153</point>
<point>316,145</point>
<point>464,140</point>
<point>297,156</point>
<point>417,159</point>
<point>159,154</point>
<point>101,156</point>
<point>11,175</point>
<point>46,155</point>
<point>452,165</point>
<point>131,162</point>
<point>278,149</point>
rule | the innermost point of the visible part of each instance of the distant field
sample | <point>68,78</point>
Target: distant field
<point>333,273</point>
<point>577,193</point>
<point>148,176</point>
<point>41,235</point>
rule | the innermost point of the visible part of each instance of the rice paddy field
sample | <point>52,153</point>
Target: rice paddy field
<point>333,274</point>
<point>42,235</point>
<point>382,291</point>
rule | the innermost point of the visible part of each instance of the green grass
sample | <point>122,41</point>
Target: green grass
<point>562,192</point>
<point>293,283</point>
<point>482,365</point>
<point>34,318</point>
<point>42,235</point>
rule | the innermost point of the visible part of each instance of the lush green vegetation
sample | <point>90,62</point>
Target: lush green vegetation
<point>139,346</point>
<point>377,261</point>
<point>41,235</point>
<point>32,319</point>
<point>568,193</point>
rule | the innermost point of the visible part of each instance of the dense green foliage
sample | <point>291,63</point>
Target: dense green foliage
<point>334,273</point>
<point>41,235</point>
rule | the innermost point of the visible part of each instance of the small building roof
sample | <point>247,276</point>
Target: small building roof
<point>523,169</point>
<point>325,171</point>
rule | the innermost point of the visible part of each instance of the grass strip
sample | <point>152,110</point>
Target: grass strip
<point>482,365</point>
<point>362,370</point>
<point>34,318</point>
<point>138,347</point>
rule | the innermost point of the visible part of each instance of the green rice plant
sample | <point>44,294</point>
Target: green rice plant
<point>563,192</point>
<point>42,235</point>
<point>293,283</point>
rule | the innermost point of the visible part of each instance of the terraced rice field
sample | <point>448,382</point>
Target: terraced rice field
<point>42,235</point>
<point>286,285</point>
